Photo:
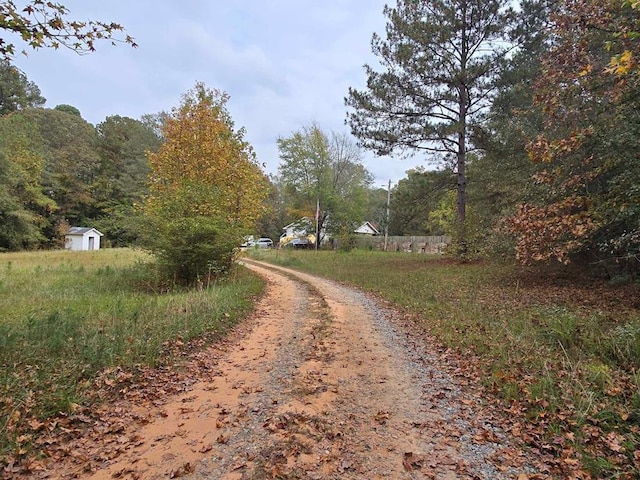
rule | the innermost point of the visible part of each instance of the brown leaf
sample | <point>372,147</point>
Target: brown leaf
<point>412,461</point>
<point>382,416</point>
<point>613,441</point>
<point>486,436</point>
<point>206,448</point>
<point>181,471</point>
<point>35,424</point>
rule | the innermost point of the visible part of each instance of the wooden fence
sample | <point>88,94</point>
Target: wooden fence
<point>410,244</point>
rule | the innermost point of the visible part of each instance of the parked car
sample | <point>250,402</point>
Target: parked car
<point>300,243</point>
<point>264,243</point>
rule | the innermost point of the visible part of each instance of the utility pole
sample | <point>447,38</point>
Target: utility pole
<point>386,227</point>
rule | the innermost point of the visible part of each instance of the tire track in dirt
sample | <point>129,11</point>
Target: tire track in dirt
<point>318,385</point>
<point>395,414</point>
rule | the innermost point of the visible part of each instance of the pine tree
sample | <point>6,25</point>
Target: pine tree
<point>439,59</point>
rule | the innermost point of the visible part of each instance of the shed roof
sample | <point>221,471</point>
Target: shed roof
<point>82,231</point>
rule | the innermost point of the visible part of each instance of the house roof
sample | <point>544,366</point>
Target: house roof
<point>371,226</point>
<point>303,222</point>
<point>81,231</point>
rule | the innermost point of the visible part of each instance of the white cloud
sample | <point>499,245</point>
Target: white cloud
<point>285,63</point>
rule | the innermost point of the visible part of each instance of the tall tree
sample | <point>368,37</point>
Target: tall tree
<point>42,24</point>
<point>439,57</point>
<point>500,174</point>
<point>317,168</point>
<point>587,153</point>
<point>415,197</point>
<point>206,189</point>
<point>277,214</point>
<point>23,205</point>
<point>70,163</point>
<point>376,210</point>
<point>121,177</point>
<point>16,91</point>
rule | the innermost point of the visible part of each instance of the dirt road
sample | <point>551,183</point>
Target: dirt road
<point>320,384</point>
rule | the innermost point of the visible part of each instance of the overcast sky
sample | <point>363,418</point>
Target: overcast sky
<point>285,64</point>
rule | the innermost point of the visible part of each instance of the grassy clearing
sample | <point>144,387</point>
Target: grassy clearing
<point>562,351</point>
<point>66,316</point>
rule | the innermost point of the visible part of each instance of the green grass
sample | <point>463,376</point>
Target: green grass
<point>66,316</point>
<point>559,347</point>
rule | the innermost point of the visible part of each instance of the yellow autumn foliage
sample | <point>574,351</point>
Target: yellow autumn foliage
<point>622,64</point>
<point>205,188</point>
<point>204,168</point>
<point>626,62</point>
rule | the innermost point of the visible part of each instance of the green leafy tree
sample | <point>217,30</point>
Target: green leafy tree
<point>206,190</point>
<point>317,168</point>
<point>45,24</point>
<point>376,209</point>
<point>68,109</point>
<point>17,226</point>
<point>415,197</point>
<point>121,177</point>
<point>500,173</point>
<point>16,91</point>
<point>625,38</point>
<point>439,59</point>
<point>70,165</point>
<point>23,206</point>
<point>155,122</point>
<point>276,215</point>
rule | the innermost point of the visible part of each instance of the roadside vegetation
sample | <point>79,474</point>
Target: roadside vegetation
<point>559,349</point>
<point>69,320</point>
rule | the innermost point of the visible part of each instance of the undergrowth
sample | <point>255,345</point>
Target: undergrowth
<point>559,349</point>
<point>67,316</point>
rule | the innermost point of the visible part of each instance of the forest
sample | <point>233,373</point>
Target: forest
<point>57,170</point>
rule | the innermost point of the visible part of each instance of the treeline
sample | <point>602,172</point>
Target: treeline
<point>535,134</point>
<point>533,110</point>
<point>559,170</point>
<point>58,170</point>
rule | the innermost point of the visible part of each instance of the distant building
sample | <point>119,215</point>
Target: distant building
<point>299,233</point>
<point>82,238</point>
<point>368,228</point>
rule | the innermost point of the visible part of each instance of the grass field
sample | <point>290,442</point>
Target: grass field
<point>561,350</point>
<point>66,316</point>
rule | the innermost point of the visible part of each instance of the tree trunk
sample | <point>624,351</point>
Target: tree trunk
<point>462,193</point>
<point>461,160</point>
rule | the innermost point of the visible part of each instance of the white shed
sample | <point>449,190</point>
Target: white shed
<point>82,238</point>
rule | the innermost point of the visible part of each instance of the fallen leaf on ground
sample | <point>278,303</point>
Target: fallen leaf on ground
<point>413,461</point>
